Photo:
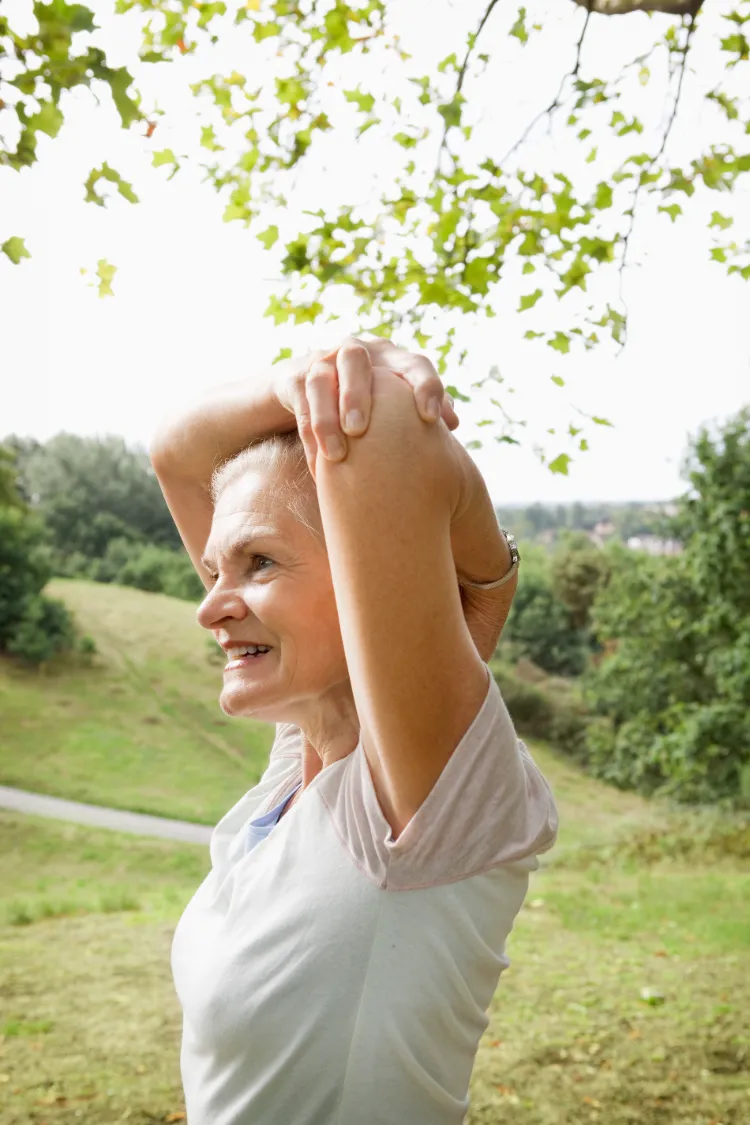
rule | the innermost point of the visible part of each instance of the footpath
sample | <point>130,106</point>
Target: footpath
<point>98,817</point>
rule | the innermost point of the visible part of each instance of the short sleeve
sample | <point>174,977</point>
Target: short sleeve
<point>491,806</point>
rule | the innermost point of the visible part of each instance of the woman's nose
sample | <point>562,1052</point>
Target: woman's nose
<point>219,604</point>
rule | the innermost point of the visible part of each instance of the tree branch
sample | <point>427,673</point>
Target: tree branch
<point>625,7</point>
<point>464,66</point>
<point>555,103</point>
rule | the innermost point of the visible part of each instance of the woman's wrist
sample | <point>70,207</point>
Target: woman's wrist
<point>480,550</point>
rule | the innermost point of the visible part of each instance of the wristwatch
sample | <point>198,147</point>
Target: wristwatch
<point>515,559</point>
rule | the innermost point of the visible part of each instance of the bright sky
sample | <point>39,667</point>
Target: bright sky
<point>191,290</point>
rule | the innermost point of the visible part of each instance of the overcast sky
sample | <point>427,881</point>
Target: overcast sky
<point>191,290</point>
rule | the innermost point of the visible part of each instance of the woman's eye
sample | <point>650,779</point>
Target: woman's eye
<point>258,559</point>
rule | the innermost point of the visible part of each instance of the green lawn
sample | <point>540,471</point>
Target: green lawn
<point>626,1002</point>
<point>141,728</point>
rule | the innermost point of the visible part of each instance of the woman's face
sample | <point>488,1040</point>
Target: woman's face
<point>273,588</point>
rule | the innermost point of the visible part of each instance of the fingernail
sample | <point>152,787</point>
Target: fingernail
<point>335,449</point>
<point>432,410</point>
<point>354,421</point>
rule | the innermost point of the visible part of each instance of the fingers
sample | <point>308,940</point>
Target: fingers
<point>322,389</point>
<point>355,387</point>
<point>297,393</point>
<point>419,372</point>
<point>448,413</point>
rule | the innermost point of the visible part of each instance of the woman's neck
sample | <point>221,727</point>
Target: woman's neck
<point>330,729</point>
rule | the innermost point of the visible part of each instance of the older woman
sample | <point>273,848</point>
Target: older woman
<point>336,965</point>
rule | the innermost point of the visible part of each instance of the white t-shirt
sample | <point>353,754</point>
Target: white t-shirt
<point>333,976</point>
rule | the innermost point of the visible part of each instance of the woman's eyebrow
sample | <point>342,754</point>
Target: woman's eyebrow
<point>241,545</point>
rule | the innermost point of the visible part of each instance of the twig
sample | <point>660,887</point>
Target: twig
<point>691,23</point>
<point>555,103</point>
<point>463,68</point>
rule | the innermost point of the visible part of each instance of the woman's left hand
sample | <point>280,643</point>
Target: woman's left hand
<point>336,400</point>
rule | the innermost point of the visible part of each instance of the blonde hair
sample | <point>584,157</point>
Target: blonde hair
<point>282,456</point>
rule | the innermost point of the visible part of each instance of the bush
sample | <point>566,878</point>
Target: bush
<point>148,567</point>
<point>549,709</point>
<point>44,629</point>
<point>672,689</point>
<point>31,626</point>
<point>540,628</point>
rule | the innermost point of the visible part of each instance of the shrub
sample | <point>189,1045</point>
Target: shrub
<point>672,689</point>
<point>32,626</point>
<point>44,629</point>
<point>148,567</point>
<point>549,709</point>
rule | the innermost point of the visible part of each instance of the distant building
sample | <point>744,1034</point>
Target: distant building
<point>653,545</point>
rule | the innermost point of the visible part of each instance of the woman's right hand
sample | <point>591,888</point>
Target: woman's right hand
<point>328,407</point>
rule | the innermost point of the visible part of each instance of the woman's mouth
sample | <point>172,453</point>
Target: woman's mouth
<point>244,657</point>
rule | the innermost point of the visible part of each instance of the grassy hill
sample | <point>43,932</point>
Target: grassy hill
<point>627,997</point>
<point>141,728</point>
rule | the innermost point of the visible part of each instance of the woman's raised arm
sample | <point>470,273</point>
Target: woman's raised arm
<point>194,440</point>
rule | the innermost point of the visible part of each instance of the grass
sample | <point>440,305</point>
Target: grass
<point>626,1000</point>
<point>141,728</point>
<point>627,997</point>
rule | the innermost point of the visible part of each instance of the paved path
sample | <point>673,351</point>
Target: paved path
<point>141,824</point>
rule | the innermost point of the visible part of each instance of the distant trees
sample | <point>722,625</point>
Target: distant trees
<point>32,626</point>
<point>541,627</point>
<point>673,692</point>
<point>104,512</point>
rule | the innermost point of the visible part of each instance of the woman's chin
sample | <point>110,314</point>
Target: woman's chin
<point>238,699</point>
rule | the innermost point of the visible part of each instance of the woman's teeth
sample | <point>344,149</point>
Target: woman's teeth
<point>246,650</point>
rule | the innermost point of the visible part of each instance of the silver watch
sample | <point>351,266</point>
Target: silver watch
<point>515,558</point>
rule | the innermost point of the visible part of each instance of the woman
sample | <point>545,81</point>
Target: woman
<point>336,965</point>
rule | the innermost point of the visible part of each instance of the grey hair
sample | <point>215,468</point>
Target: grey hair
<point>282,456</point>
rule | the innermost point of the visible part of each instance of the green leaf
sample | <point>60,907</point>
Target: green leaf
<point>405,140</point>
<point>560,342</point>
<point>284,353</point>
<point>208,139</point>
<point>474,444</point>
<point>600,421</point>
<point>592,155</point>
<point>519,30</point>
<point>268,237</point>
<point>105,272</point>
<point>48,120</point>
<point>15,249</point>
<point>558,380</point>
<point>532,335</point>
<point>165,156</point>
<point>529,300</point>
<point>603,196</point>
<point>720,221</point>
<point>363,102</point>
<point>528,267</point>
<point>560,464</point>
<point>583,445</point>
<point>120,82</point>
<point>673,211</point>
<point>112,176</point>
<point>451,111</point>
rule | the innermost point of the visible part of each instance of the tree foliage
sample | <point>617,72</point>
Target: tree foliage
<point>90,491</point>
<point>540,626</point>
<point>673,689</point>
<point>580,571</point>
<point>32,626</point>
<point>438,243</point>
